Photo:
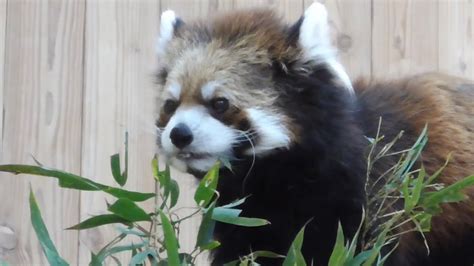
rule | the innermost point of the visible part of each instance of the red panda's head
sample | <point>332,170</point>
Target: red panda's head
<point>220,91</point>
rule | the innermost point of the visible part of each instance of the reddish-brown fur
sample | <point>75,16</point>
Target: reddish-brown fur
<point>445,104</point>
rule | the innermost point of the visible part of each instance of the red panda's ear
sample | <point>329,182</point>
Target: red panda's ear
<point>314,39</point>
<point>168,25</point>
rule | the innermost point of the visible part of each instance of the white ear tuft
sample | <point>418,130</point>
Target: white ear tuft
<point>315,40</point>
<point>167,23</point>
<point>314,34</point>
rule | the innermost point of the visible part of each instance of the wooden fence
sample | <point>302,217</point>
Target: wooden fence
<point>75,75</point>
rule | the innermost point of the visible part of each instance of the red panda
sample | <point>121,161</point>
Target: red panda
<point>273,100</point>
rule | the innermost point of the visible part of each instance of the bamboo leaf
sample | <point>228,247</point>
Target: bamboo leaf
<point>109,252</point>
<point>339,251</point>
<point>207,186</point>
<point>129,211</point>
<point>131,195</point>
<point>68,180</point>
<point>174,193</point>
<point>115,166</point>
<point>231,216</point>
<point>266,254</point>
<point>451,193</point>
<point>295,256</point>
<point>211,245</point>
<point>41,231</point>
<point>206,229</point>
<point>171,243</point>
<point>98,221</point>
<point>95,260</point>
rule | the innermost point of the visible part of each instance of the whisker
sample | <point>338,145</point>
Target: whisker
<point>253,159</point>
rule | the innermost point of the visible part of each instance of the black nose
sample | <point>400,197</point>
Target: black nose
<point>181,136</point>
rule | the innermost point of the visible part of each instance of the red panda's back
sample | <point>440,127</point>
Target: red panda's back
<point>446,105</point>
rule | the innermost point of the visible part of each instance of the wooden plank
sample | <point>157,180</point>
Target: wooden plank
<point>119,96</point>
<point>3,23</point>
<point>405,37</point>
<point>42,109</point>
<point>456,37</point>
<point>191,9</point>
<point>291,10</point>
<point>351,33</point>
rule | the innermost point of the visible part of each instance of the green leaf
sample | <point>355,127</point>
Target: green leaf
<point>41,231</point>
<point>207,186</point>
<point>95,260</point>
<point>416,193</point>
<point>295,256</point>
<point>171,243</point>
<point>115,166</point>
<point>359,258</point>
<point>235,203</point>
<point>131,195</point>
<point>451,193</point>
<point>266,254</point>
<point>424,220</point>
<point>174,193</point>
<point>231,216</point>
<point>131,231</point>
<point>68,180</point>
<point>211,245</point>
<point>339,252</point>
<point>379,243</point>
<point>206,229</point>
<point>129,211</point>
<point>98,221</point>
<point>414,153</point>
<point>117,249</point>
<point>3,263</point>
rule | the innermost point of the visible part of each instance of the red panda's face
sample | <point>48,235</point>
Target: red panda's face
<point>215,104</point>
<point>217,89</point>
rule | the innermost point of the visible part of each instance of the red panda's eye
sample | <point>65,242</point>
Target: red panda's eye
<point>220,105</point>
<point>170,106</point>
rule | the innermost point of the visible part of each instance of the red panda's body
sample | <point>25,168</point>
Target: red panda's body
<point>446,105</point>
<point>273,100</point>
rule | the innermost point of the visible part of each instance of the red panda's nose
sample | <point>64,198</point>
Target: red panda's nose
<point>181,136</point>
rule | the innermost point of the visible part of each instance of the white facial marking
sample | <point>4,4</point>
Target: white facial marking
<point>207,91</point>
<point>211,139</point>
<point>316,42</point>
<point>167,22</point>
<point>270,129</point>
<point>174,89</point>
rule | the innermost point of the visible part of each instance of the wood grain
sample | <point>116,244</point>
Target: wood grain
<point>456,37</point>
<point>118,97</point>
<point>42,111</point>
<point>3,24</point>
<point>291,10</point>
<point>351,33</point>
<point>404,38</point>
